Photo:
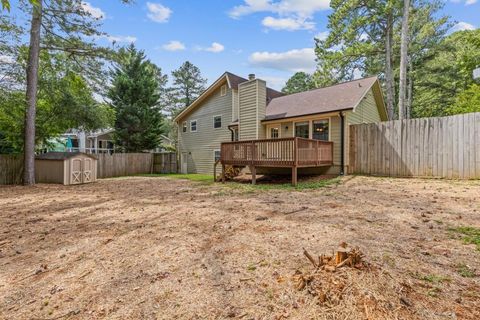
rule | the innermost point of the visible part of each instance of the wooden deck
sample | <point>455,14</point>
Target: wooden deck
<point>283,152</point>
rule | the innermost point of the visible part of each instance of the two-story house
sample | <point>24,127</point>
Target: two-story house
<point>271,131</point>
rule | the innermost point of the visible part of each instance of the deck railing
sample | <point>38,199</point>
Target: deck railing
<point>281,152</point>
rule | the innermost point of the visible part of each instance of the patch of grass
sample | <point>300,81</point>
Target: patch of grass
<point>465,271</point>
<point>470,235</point>
<point>433,278</point>
<point>307,185</point>
<point>203,178</point>
<point>249,188</point>
<point>433,292</point>
<point>251,267</point>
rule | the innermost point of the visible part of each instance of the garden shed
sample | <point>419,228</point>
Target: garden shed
<point>65,168</point>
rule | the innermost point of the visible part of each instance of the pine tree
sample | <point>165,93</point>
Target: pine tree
<point>135,95</point>
<point>188,85</point>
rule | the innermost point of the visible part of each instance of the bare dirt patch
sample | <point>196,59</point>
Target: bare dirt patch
<point>157,248</point>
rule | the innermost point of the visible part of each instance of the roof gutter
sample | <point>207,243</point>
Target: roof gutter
<point>307,115</point>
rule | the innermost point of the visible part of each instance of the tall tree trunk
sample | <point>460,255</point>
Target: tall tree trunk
<point>409,90</point>
<point>389,79</point>
<point>31,96</point>
<point>402,90</point>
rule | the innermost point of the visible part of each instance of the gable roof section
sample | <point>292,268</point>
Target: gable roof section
<point>342,96</point>
<point>233,81</point>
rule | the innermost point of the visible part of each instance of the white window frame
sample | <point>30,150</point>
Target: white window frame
<point>223,90</point>
<point>329,127</point>
<point>184,126</point>
<point>269,130</point>
<point>309,122</point>
<point>214,151</point>
<point>310,126</point>
<point>221,124</point>
<point>278,132</point>
<point>196,125</point>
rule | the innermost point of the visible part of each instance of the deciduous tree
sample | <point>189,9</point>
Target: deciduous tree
<point>299,82</point>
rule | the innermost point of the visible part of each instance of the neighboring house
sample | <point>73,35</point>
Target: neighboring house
<point>98,141</point>
<point>75,140</point>
<point>237,109</point>
<point>166,144</point>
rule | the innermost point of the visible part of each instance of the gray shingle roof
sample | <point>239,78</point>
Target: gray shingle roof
<point>61,155</point>
<point>342,96</point>
<point>236,80</point>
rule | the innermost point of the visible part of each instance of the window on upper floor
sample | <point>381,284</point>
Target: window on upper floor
<point>184,126</point>
<point>217,122</point>
<point>193,125</point>
<point>223,90</point>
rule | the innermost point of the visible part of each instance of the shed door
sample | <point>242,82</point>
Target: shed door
<point>75,171</point>
<point>87,170</point>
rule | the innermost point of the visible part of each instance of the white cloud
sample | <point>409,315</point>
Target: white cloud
<point>292,14</point>
<point>276,83</point>
<point>460,26</point>
<point>158,12</point>
<point>174,45</point>
<point>117,39</point>
<point>293,60</point>
<point>96,13</point>
<point>301,8</point>
<point>322,35</point>
<point>290,24</point>
<point>467,2</point>
<point>215,48</point>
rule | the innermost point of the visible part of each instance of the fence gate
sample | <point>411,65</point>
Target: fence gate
<point>165,162</point>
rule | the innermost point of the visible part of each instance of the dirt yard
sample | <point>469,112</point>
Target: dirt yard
<point>159,248</point>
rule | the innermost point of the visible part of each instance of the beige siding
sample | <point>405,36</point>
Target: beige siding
<point>262,107</point>
<point>252,102</point>
<point>200,145</point>
<point>365,112</point>
<point>235,105</point>
<point>335,136</point>
<point>286,129</point>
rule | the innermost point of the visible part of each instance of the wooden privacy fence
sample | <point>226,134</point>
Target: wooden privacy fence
<point>115,165</point>
<point>126,164</point>
<point>123,164</point>
<point>11,168</point>
<point>165,162</point>
<point>446,147</point>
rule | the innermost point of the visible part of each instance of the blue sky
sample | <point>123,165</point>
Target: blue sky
<point>271,38</point>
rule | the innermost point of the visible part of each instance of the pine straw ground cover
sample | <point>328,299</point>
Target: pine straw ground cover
<point>164,248</point>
